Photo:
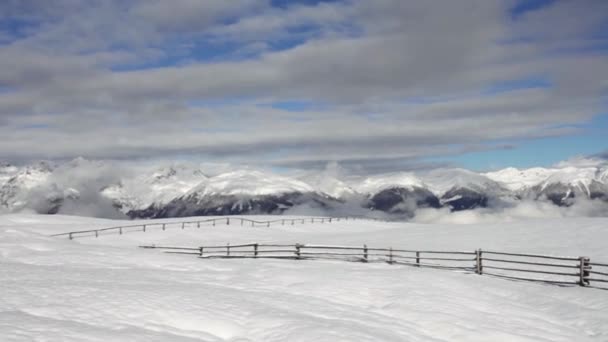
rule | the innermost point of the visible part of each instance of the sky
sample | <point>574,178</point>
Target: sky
<point>374,86</point>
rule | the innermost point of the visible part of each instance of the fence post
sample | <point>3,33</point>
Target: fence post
<point>183,225</point>
<point>268,224</point>
<point>390,255</point>
<point>163,226</point>
<point>144,228</point>
<point>228,249</point>
<point>282,222</point>
<point>70,235</point>
<point>418,259</point>
<point>365,253</point>
<point>198,224</point>
<point>120,230</point>
<point>303,221</point>
<point>297,251</point>
<point>478,262</point>
<point>214,222</point>
<point>330,220</point>
<point>227,221</point>
<point>584,268</point>
<point>255,250</point>
<point>252,223</point>
<point>201,249</point>
<point>292,222</point>
<point>241,222</point>
<point>97,233</point>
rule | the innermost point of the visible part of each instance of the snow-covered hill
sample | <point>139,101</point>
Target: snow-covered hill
<point>186,189</point>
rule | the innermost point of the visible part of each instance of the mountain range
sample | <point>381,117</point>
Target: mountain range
<point>85,187</point>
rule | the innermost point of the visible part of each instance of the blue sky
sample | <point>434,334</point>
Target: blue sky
<point>591,140</point>
<point>373,85</point>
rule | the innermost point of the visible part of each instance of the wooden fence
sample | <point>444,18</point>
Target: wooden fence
<point>517,266</point>
<point>143,227</point>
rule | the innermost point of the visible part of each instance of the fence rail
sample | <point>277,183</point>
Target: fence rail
<point>560,270</point>
<point>227,220</point>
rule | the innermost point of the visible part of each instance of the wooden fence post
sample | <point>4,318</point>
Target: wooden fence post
<point>255,250</point>
<point>97,233</point>
<point>282,222</point>
<point>292,222</point>
<point>227,221</point>
<point>268,224</point>
<point>144,228</point>
<point>252,223</point>
<point>201,249</point>
<point>213,222</point>
<point>584,268</point>
<point>365,253</point>
<point>241,222</point>
<point>228,249</point>
<point>418,259</point>
<point>330,220</point>
<point>297,251</point>
<point>163,226</point>
<point>70,235</point>
<point>183,225</point>
<point>120,230</point>
<point>390,255</point>
<point>478,262</point>
<point>198,224</point>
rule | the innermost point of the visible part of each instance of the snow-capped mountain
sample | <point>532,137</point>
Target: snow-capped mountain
<point>153,189</point>
<point>516,180</point>
<point>18,184</point>
<point>462,189</point>
<point>559,185</point>
<point>329,185</point>
<point>185,189</point>
<point>243,192</point>
<point>397,193</point>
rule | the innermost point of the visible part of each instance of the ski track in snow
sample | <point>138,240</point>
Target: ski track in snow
<point>106,289</point>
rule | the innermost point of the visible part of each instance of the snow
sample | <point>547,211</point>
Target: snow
<point>375,184</point>
<point>249,182</point>
<point>515,179</point>
<point>441,181</point>
<point>329,185</point>
<point>581,178</point>
<point>107,289</point>
<point>157,187</point>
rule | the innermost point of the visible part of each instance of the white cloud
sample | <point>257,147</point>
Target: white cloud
<point>396,80</point>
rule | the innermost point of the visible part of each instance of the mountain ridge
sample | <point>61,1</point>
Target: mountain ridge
<point>186,189</point>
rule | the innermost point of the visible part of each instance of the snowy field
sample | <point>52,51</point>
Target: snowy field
<point>106,289</point>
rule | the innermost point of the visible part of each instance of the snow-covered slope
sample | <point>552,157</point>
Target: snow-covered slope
<point>106,289</point>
